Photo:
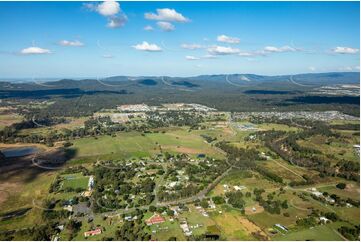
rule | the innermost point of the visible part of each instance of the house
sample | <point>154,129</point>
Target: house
<point>211,204</point>
<point>324,219</point>
<point>239,188</point>
<point>91,183</point>
<point>281,227</point>
<point>92,232</point>
<point>330,200</point>
<point>68,208</point>
<point>155,219</point>
<point>86,193</point>
<point>185,228</point>
<point>317,193</point>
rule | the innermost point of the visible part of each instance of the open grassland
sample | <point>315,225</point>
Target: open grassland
<point>9,119</point>
<point>234,226</point>
<point>341,149</point>
<point>167,230</point>
<point>24,195</point>
<point>134,144</point>
<point>321,232</point>
<point>285,170</point>
<point>250,180</point>
<point>76,180</point>
<point>71,123</point>
<point>352,190</point>
<point>108,225</point>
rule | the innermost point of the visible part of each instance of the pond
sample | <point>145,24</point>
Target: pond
<point>19,151</point>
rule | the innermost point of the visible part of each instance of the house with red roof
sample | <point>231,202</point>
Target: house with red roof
<point>92,232</point>
<point>155,219</point>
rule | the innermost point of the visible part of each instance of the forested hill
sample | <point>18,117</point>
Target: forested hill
<point>235,92</point>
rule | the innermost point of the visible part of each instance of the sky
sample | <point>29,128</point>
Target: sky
<point>101,39</point>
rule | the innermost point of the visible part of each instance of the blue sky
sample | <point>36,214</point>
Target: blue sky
<point>96,39</point>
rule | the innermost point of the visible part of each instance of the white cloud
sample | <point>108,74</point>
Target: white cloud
<point>345,50</point>
<point>166,26</point>
<point>209,56</point>
<point>34,51</point>
<point>117,21</point>
<point>75,43</point>
<point>312,68</point>
<point>191,46</point>
<point>145,46</point>
<point>148,28</point>
<point>227,39</point>
<point>190,57</point>
<point>349,68</point>
<point>110,9</point>
<point>222,50</point>
<point>246,54</point>
<point>273,49</point>
<point>166,14</point>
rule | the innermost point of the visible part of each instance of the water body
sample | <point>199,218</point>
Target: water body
<point>19,151</point>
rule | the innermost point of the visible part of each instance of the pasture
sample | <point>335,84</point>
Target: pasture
<point>135,145</point>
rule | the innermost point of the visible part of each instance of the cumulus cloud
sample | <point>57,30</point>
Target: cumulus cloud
<point>190,57</point>
<point>108,8</point>
<point>34,51</point>
<point>222,50</point>
<point>191,46</point>
<point>75,43</point>
<point>117,21</point>
<point>227,39</point>
<point>166,26</point>
<point>111,10</point>
<point>273,49</point>
<point>345,50</point>
<point>166,14</point>
<point>145,46</point>
<point>148,28</point>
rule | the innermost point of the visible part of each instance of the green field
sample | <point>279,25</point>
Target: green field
<point>322,232</point>
<point>133,144</point>
<point>75,180</point>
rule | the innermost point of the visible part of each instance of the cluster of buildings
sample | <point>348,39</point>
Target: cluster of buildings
<point>246,127</point>
<point>319,194</point>
<point>321,116</point>
<point>133,108</point>
<point>339,89</point>
<point>227,188</point>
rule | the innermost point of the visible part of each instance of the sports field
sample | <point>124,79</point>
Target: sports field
<point>76,180</point>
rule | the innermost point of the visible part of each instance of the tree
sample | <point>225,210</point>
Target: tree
<point>341,185</point>
<point>218,199</point>
<point>204,203</point>
<point>152,209</point>
<point>170,212</point>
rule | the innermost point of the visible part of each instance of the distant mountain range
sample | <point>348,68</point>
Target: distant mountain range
<point>236,79</point>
